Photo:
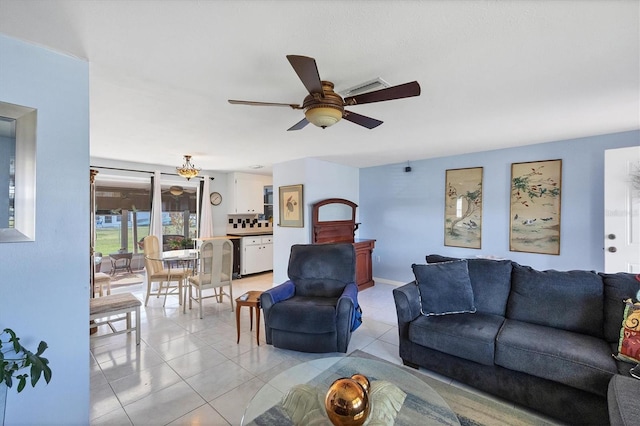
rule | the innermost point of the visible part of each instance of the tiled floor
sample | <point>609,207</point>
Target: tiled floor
<point>190,371</point>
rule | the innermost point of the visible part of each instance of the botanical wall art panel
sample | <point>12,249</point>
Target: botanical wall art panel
<point>291,206</point>
<point>463,208</point>
<point>535,207</point>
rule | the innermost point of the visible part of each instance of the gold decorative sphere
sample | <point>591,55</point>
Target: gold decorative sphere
<point>363,380</point>
<point>347,403</point>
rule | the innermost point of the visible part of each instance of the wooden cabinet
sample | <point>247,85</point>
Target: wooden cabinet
<point>246,193</point>
<point>257,254</point>
<point>364,269</point>
<point>333,221</point>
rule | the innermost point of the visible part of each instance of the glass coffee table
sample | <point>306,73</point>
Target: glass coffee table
<point>422,404</point>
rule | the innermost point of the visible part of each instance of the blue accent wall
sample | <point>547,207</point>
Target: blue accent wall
<point>44,284</point>
<point>404,212</point>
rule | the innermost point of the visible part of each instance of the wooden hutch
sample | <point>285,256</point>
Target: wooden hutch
<point>334,221</point>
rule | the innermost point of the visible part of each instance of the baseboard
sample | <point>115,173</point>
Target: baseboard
<point>390,282</point>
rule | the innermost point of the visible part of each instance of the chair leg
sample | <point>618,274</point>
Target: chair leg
<point>231,296</point>
<point>146,299</point>
<point>200,301</point>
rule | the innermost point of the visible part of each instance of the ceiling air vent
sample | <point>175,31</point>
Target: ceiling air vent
<point>367,86</point>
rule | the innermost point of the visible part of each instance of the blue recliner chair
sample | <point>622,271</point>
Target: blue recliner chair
<point>316,310</point>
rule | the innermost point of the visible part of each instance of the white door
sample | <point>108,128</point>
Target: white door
<point>622,210</point>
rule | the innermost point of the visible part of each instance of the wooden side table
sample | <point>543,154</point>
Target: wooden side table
<point>125,265</point>
<point>253,302</point>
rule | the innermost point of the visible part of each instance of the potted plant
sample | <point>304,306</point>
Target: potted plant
<point>15,358</point>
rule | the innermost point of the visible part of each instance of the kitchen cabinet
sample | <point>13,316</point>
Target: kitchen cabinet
<point>246,193</point>
<point>257,254</point>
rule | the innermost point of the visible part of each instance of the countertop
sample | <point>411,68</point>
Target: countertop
<point>251,233</point>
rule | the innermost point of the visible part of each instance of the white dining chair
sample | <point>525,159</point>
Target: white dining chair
<point>156,272</point>
<point>215,272</point>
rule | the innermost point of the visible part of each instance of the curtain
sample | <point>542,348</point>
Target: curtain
<point>206,219</point>
<point>155,222</point>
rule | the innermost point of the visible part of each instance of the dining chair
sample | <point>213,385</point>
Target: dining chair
<point>156,272</point>
<point>215,272</point>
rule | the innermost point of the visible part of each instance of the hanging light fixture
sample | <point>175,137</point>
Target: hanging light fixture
<point>187,170</point>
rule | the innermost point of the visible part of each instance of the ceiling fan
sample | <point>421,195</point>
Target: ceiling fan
<point>324,107</point>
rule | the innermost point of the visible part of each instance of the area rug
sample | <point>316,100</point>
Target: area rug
<point>126,278</point>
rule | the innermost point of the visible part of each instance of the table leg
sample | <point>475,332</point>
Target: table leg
<point>258,326</point>
<point>250,318</point>
<point>238,322</point>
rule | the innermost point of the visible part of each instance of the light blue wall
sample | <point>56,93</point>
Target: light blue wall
<point>404,212</point>
<point>321,180</point>
<point>44,285</point>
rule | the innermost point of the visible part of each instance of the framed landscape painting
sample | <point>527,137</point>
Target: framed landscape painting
<point>291,207</point>
<point>535,207</point>
<point>463,208</point>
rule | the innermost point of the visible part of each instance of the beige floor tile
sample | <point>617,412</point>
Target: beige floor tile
<point>204,415</point>
<point>164,406</point>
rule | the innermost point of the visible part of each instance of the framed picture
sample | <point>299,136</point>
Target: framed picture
<point>291,206</point>
<point>463,208</point>
<point>535,207</point>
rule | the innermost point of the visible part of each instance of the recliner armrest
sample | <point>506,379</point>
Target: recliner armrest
<point>277,294</point>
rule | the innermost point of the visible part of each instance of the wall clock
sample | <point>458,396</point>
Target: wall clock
<point>215,198</point>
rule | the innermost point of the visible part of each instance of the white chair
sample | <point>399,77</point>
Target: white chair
<point>156,272</point>
<point>215,271</point>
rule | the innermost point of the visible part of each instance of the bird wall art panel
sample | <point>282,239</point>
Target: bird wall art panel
<point>535,207</point>
<point>463,208</point>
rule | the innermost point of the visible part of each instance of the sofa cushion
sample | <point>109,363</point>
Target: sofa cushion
<point>629,345</point>
<point>571,300</point>
<point>304,315</point>
<point>468,336</point>
<point>445,288</point>
<point>617,288</point>
<point>576,360</point>
<point>490,281</point>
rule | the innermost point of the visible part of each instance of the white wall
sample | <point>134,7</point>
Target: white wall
<point>320,180</point>
<point>44,287</point>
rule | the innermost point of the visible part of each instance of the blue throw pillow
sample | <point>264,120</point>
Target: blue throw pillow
<point>444,288</point>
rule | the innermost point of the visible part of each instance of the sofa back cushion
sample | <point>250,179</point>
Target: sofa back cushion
<point>571,300</point>
<point>490,281</point>
<point>617,288</point>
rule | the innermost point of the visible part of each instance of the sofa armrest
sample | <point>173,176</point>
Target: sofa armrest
<point>345,315</point>
<point>277,294</point>
<point>407,299</point>
<point>269,298</point>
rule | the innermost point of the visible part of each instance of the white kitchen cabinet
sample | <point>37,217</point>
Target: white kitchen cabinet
<point>246,193</point>
<point>257,254</point>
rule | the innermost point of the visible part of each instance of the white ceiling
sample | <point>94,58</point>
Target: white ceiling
<point>494,74</point>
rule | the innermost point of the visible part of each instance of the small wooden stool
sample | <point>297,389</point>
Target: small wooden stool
<point>115,304</point>
<point>253,302</point>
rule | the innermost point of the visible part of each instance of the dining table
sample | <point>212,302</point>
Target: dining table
<point>186,259</point>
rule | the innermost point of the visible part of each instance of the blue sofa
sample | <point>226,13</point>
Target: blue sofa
<point>542,339</point>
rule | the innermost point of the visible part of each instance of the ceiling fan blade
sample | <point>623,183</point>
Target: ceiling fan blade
<point>307,71</point>
<point>255,103</point>
<point>395,92</point>
<point>362,120</point>
<point>299,125</point>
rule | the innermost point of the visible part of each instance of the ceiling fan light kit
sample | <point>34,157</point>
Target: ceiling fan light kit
<point>187,170</point>
<point>323,107</point>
